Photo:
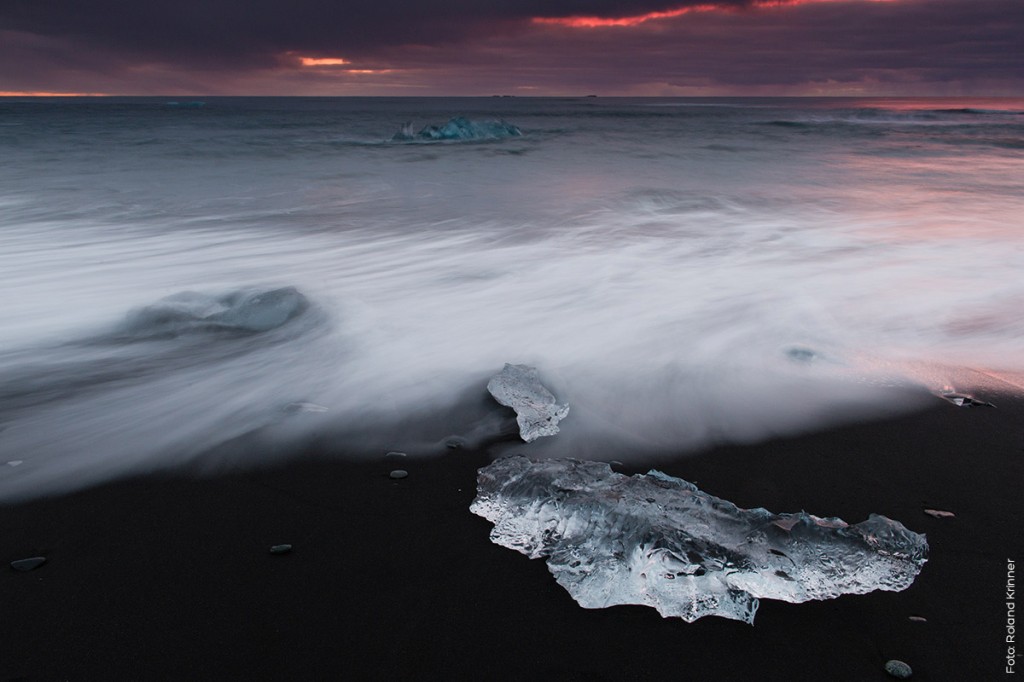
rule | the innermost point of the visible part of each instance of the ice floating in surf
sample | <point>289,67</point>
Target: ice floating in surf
<point>659,541</point>
<point>247,311</point>
<point>537,411</point>
<point>459,128</point>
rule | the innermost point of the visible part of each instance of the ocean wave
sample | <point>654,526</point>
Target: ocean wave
<point>173,334</point>
<point>170,382</point>
<point>978,112</point>
<point>883,116</point>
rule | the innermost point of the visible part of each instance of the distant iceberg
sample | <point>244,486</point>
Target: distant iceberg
<point>537,411</point>
<point>659,541</point>
<point>459,128</point>
<point>246,311</point>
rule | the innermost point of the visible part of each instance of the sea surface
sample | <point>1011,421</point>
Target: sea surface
<point>178,275</point>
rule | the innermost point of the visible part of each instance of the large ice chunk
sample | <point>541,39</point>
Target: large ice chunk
<point>537,411</point>
<point>247,311</point>
<point>459,128</point>
<point>659,541</point>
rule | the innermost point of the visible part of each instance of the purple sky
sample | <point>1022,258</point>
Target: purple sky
<point>524,47</point>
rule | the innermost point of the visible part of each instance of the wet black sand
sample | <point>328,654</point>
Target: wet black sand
<point>170,577</point>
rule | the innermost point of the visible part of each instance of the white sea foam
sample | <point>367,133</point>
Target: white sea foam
<point>677,281</point>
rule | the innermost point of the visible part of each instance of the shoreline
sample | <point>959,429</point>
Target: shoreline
<point>169,575</point>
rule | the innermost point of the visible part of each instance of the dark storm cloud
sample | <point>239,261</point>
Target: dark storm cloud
<point>486,46</point>
<point>899,41</point>
<point>235,31</point>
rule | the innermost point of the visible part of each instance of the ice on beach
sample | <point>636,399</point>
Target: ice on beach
<point>961,400</point>
<point>659,541</point>
<point>29,564</point>
<point>537,411</point>
<point>459,128</point>
<point>245,311</point>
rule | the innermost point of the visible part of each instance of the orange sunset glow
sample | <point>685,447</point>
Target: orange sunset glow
<point>326,61</point>
<point>635,20</point>
<point>626,48</point>
<point>596,22</point>
<point>40,93</point>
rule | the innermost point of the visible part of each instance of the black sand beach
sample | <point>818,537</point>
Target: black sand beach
<point>169,576</point>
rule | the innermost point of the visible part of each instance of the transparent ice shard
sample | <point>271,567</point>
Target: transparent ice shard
<point>659,541</point>
<point>537,411</point>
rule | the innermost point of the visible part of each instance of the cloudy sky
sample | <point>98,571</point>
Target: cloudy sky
<point>522,47</point>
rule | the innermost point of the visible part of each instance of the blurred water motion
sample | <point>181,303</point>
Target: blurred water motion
<point>680,274</point>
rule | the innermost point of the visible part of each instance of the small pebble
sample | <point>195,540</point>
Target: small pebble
<point>398,473</point>
<point>918,619</point>
<point>455,442</point>
<point>395,453</point>
<point>898,669</point>
<point>280,549</point>
<point>28,564</point>
<point>939,514</point>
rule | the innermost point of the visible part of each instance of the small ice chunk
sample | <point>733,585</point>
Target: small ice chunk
<point>962,400</point>
<point>537,411</point>
<point>802,354</point>
<point>659,541</point>
<point>28,564</point>
<point>15,462</point>
<point>303,406</point>
<point>917,619</point>
<point>248,311</point>
<point>898,669</point>
<point>939,514</point>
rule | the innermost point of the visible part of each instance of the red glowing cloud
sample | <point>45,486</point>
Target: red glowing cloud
<point>323,61</point>
<point>637,19</point>
<point>554,47</point>
<point>595,22</point>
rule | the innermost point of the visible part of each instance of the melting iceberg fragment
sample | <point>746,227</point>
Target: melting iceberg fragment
<point>245,311</point>
<point>459,128</point>
<point>659,541</point>
<point>537,412</point>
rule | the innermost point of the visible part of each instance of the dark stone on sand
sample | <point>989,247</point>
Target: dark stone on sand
<point>398,473</point>
<point>898,669</point>
<point>280,549</point>
<point>28,564</point>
